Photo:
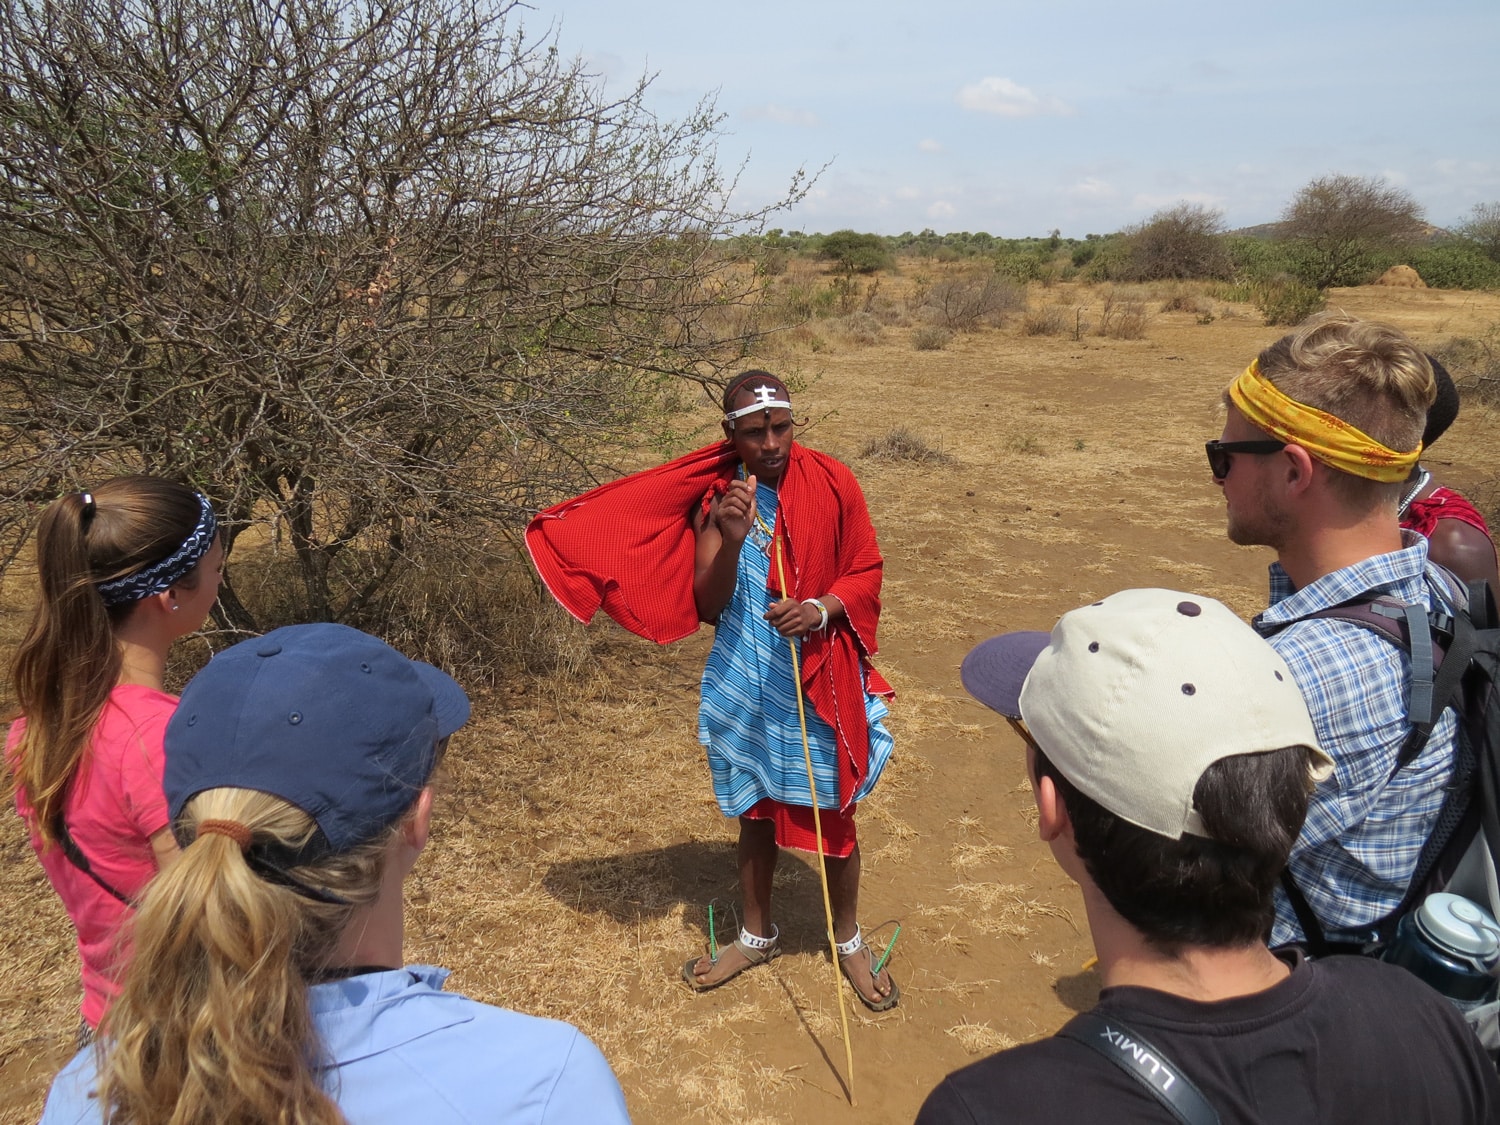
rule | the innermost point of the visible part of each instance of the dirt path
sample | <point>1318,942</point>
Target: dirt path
<point>579,846</point>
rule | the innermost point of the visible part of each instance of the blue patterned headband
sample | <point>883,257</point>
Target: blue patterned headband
<point>159,576</point>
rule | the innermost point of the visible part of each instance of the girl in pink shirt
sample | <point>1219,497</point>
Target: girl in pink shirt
<point>124,571</point>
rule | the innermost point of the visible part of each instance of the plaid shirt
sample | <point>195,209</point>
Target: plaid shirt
<point>1364,828</point>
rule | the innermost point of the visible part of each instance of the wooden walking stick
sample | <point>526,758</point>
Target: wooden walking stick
<point>812,789</point>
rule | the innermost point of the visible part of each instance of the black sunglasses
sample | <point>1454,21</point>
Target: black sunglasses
<point>1219,453</point>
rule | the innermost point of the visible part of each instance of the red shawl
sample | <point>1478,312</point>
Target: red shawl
<point>1422,514</point>
<point>628,547</point>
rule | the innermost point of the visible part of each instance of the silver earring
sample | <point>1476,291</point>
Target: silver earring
<point>175,608</point>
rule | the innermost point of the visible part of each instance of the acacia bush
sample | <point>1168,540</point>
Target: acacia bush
<point>1183,241</point>
<point>1286,300</point>
<point>854,252</point>
<point>1481,230</point>
<point>1343,224</point>
<point>380,279</point>
<point>971,301</point>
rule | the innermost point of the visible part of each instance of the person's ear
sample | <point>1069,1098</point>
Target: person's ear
<point>1298,464</point>
<point>728,430</point>
<point>166,602</point>
<point>1051,813</point>
<point>417,826</point>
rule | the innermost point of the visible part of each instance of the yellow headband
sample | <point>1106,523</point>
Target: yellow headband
<point>1331,440</point>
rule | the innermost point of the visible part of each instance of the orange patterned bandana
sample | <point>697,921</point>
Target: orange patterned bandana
<point>1331,440</point>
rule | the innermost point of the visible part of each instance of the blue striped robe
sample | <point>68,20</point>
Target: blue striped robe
<point>747,720</point>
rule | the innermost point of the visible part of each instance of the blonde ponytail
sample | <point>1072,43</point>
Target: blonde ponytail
<point>213,1024</point>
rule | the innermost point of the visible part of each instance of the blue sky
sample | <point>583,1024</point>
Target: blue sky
<point>1084,115</point>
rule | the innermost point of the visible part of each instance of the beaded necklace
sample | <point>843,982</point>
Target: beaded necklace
<point>1411,494</point>
<point>767,537</point>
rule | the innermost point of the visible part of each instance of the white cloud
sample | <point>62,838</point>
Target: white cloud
<point>942,209</point>
<point>927,144</point>
<point>905,193</point>
<point>1008,99</point>
<point>783,115</point>
<point>1092,187</point>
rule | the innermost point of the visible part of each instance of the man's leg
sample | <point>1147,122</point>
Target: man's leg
<point>843,894</point>
<point>757,862</point>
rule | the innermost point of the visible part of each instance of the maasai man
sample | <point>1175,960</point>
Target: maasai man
<point>1457,536</point>
<point>769,541</point>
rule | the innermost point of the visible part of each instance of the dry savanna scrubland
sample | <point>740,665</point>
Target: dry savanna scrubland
<point>578,846</point>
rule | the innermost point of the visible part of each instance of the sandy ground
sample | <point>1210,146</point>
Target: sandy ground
<point>578,846</point>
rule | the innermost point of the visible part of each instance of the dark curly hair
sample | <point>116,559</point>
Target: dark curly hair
<point>1194,891</point>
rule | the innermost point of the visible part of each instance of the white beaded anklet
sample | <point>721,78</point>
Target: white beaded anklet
<point>754,941</point>
<point>852,946</point>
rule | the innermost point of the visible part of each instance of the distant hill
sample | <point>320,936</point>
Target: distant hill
<point>1265,231</point>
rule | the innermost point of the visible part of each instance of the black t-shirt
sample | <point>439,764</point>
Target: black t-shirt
<point>1347,1039</point>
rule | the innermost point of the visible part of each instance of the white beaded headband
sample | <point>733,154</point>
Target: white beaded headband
<point>765,399</point>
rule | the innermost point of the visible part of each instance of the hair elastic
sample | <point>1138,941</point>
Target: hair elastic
<point>263,865</point>
<point>231,828</point>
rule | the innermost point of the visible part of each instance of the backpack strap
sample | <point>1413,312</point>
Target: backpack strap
<point>1425,638</point>
<point>1482,721</point>
<point>1482,605</point>
<point>1125,1047</point>
<point>75,856</point>
<point>1439,646</point>
<point>1314,940</point>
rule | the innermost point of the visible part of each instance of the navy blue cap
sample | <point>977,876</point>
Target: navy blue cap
<point>330,719</point>
<point>995,670</point>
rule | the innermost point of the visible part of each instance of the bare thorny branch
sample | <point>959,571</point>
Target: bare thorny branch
<point>384,278</point>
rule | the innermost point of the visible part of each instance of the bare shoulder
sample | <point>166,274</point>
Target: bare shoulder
<point>1465,550</point>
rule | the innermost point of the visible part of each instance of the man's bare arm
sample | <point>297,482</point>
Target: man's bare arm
<point>720,534</point>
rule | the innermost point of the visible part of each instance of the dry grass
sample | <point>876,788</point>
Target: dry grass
<point>1122,318</point>
<point>980,1038</point>
<point>930,338</point>
<point>903,444</point>
<point>858,329</point>
<point>1049,320</point>
<point>577,843</point>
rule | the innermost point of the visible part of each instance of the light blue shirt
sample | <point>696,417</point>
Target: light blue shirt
<point>403,1050</point>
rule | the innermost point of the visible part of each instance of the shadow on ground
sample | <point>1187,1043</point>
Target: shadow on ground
<point>694,874</point>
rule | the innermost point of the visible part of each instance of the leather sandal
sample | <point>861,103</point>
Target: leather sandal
<point>752,956</point>
<point>880,1003</point>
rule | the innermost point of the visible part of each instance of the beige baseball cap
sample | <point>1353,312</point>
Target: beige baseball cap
<point>1133,697</point>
